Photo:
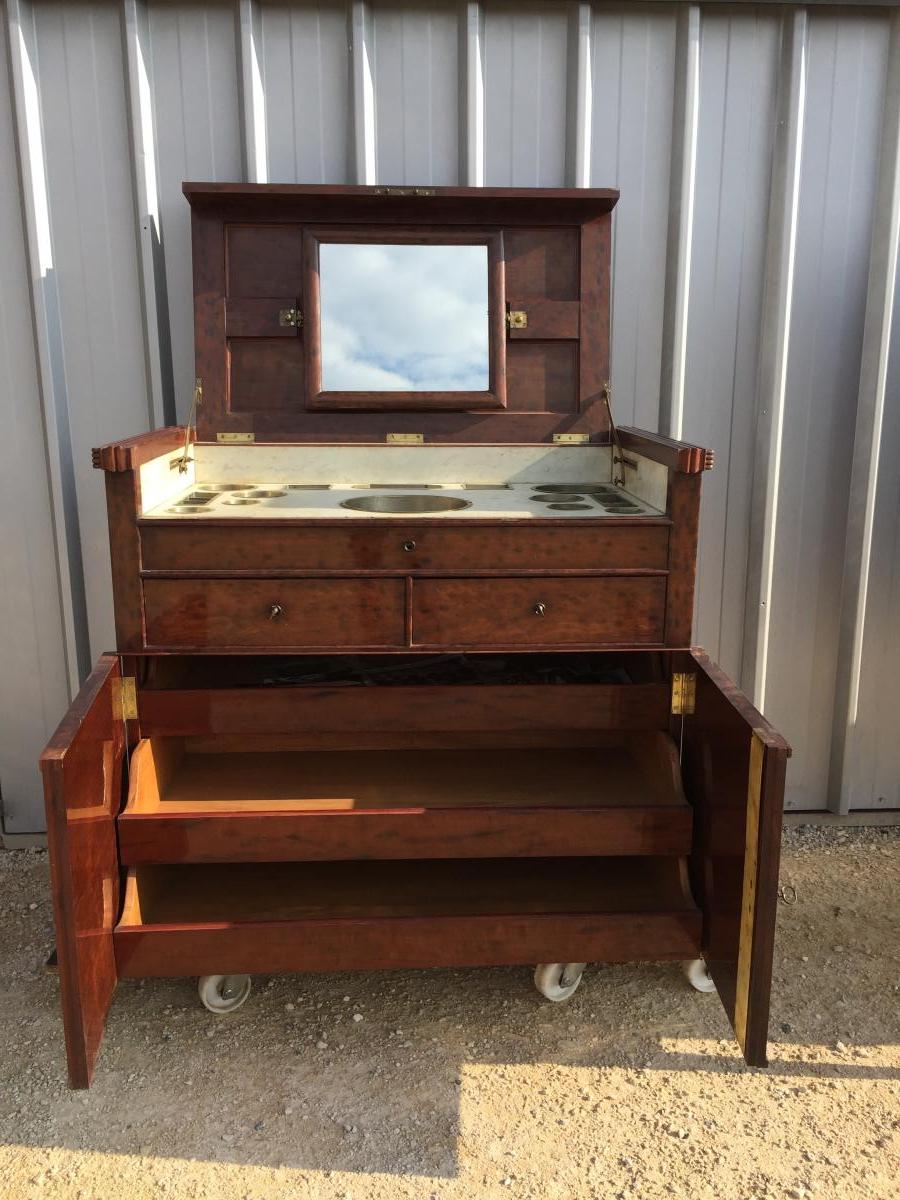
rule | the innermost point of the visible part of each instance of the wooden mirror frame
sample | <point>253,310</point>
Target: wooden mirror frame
<point>317,399</point>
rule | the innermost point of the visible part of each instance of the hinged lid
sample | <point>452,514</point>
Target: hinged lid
<point>357,314</point>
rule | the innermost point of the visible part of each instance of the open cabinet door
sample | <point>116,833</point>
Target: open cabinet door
<point>83,773</point>
<point>733,764</point>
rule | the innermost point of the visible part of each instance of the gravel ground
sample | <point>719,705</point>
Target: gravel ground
<point>461,1084</point>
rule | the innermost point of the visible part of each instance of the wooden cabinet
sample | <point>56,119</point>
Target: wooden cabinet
<point>571,828</point>
<point>346,734</point>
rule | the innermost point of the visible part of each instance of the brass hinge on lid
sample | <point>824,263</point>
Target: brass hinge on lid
<point>517,319</point>
<point>571,439</point>
<point>232,439</point>
<point>124,698</point>
<point>684,693</point>
<point>290,318</point>
<point>405,439</point>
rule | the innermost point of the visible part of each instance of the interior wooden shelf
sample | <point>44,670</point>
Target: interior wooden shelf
<point>632,770</point>
<point>258,892</point>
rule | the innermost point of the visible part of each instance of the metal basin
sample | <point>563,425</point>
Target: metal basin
<point>405,504</point>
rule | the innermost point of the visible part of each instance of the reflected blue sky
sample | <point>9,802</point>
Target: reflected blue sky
<point>404,318</point>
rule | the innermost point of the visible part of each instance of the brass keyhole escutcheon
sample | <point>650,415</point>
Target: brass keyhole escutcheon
<point>540,608</point>
<point>275,611</point>
<point>409,546</point>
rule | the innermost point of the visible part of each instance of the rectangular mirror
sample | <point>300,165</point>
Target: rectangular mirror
<point>404,318</point>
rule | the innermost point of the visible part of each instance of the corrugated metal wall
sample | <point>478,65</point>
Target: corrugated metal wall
<point>755,272</point>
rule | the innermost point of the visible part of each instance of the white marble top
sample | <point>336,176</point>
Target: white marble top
<point>482,501</point>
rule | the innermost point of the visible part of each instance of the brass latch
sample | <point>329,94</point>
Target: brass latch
<point>571,439</point>
<point>290,318</point>
<point>124,698</point>
<point>517,319</point>
<point>684,693</point>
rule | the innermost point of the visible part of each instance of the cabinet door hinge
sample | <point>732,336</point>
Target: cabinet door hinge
<point>684,693</point>
<point>124,698</point>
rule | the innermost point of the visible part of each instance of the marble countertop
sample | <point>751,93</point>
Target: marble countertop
<point>308,502</point>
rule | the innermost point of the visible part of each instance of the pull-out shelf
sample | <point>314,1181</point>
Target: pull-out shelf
<point>620,795</point>
<point>181,920</point>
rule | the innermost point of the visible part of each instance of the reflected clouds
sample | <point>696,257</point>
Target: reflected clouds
<point>401,318</point>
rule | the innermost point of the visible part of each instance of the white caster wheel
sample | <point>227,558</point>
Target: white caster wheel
<point>698,976</point>
<point>223,993</point>
<point>558,981</point>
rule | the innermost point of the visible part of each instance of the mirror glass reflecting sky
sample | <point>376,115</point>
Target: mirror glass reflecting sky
<point>404,318</point>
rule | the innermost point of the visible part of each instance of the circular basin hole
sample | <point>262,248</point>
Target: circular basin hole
<point>405,504</point>
<point>223,487</point>
<point>557,496</point>
<point>188,508</point>
<point>566,487</point>
<point>264,493</point>
<point>240,500</point>
<point>570,507</point>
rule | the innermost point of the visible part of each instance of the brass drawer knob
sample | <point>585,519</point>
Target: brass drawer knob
<point>275,611</point>
<point>409,546</point>
<point>540,608</point>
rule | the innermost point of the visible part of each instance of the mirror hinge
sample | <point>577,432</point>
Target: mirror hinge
<point>684,693</point>
<point>290,318</point>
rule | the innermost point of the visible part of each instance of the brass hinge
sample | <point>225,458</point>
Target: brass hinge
<point>571,439</point>
<point>405,439</point>
<point>124,698</point>
<point>405,191</point>
<point>235,438</point>
<point>684,693</point>
<point>291,318</point>
<point>517,319</point>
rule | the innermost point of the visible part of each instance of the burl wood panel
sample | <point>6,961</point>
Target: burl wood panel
<point>538,612</point>
<point>551,258</point>
<point>376,915</point>
<point>521,708</point>
<point>734,767</point>
<point>379,834</point>
<point>263,261</point>
<point>684,509</point>
<point>621,797</point>
<point>542,263</point>
<point>273,546</point>
<point>82,769</point>
<point>266,373</point>
<point>394,943</point>
<point>122,506</point>
<point>284,613</point>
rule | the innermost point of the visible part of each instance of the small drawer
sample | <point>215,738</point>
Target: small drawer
<point>278,613</point>
<point>573,611</point>
<point>395,546</point>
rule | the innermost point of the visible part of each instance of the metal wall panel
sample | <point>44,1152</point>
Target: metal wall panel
<point>633,73</point>
<point>739,55</point>
<point>195,99</point>
<point>525,94</point>
<point>416,75</point>
<point>33,684</point>
<point>306,83</point>
<point>85,132</point>
<point>748,314</point>
<point>845,98</point>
